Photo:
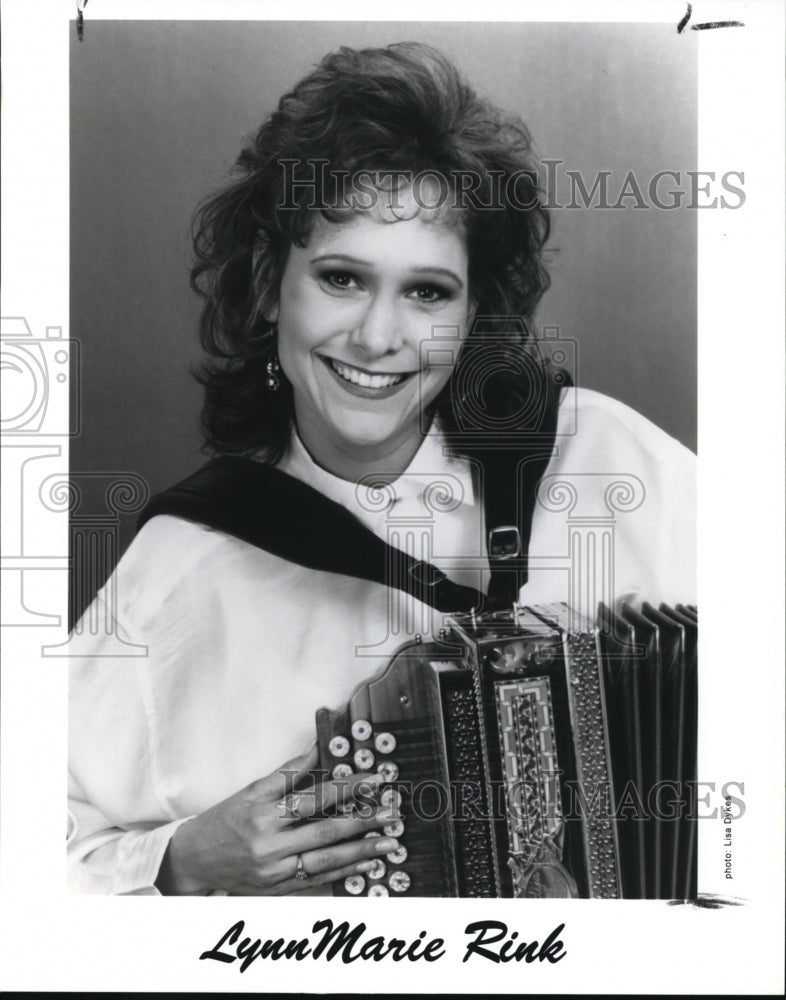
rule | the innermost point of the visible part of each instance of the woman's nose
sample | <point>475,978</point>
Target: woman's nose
<point>378,330</point>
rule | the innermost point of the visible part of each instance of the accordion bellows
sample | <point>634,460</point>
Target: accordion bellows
<point>532,753</point>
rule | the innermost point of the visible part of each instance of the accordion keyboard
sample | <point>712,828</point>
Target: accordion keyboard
<point>512,746</point>
<point>404,742</point>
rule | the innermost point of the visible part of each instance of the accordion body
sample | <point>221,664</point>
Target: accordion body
<point>532,753</point>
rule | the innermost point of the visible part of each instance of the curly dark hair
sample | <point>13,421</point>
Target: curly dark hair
<point>401,108</point>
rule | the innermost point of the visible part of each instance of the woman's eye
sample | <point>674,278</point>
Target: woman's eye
<point>339,279</point>
<point>430,293</point>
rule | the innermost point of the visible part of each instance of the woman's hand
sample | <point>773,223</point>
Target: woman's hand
<point>250,843</point>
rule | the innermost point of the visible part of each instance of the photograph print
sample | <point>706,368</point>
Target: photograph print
<point>384,561</point>
<point>382,401</point>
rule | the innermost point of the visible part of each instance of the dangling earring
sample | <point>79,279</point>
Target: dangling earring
<point>273,368</point>
<point>272,376</point>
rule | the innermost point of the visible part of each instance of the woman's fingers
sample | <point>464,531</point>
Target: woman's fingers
<point>252,840</point>
<point>320,834</point>
<point>320,797</point>
<point>366,856</point>
<point>360,791</point>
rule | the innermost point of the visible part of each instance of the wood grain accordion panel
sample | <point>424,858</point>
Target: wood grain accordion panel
<point>532,753</point>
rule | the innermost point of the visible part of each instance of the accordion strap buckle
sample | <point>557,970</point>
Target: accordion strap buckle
<point>426,575</point>
<point>504,542</point>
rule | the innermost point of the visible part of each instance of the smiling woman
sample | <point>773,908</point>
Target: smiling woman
<point>356,304</point>
<point>387,145</point>
<point>369,277</point>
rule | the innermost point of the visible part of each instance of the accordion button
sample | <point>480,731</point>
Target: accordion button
<point>364,759</point>
<point>397,857</point>
<point>342,771</point>
<point>378,890</point>
<point>361,729</point>
<point>339,746</point>
<point>378,871</point>
<point>385,742</point>
<point>399,881</point>
<point>394,829</point>
<point>355,884</point>
<point>390,797</point>
<point>388,770</point>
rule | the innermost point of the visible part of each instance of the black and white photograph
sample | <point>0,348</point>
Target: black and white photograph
<point>379,423</point>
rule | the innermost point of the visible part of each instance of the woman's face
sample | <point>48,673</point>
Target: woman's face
<point>356,305</point>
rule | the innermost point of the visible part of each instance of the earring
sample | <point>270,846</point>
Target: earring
<point>272,368</point>
<point>272,376</point>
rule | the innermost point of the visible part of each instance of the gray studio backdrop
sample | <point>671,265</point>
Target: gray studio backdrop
<point>158,112</point>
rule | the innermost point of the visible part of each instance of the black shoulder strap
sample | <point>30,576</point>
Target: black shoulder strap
<point>513,465</point>
<point>274,511</point>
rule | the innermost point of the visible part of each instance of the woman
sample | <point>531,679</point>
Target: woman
<point>382,242</point>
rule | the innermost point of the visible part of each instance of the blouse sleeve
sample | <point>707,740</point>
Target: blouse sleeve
<point>616,512</point>
<point>108,753</point>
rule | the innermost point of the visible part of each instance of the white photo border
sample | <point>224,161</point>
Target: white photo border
<point>51,940</point>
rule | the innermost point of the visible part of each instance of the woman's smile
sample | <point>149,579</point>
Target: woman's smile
<point>358,308</point>
<point>371,384</point>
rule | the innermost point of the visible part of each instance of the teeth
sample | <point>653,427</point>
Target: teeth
<point>363,379</point>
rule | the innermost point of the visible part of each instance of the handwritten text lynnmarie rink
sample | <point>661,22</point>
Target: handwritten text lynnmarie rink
<point>488,940</point>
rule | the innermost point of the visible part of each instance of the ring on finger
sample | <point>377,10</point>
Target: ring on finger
<point>291,804</point>
<point>300,872</point>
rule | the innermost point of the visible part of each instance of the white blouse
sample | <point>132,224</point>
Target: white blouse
<point>228,651</point>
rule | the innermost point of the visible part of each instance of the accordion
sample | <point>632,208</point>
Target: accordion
<point>532,753</point>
